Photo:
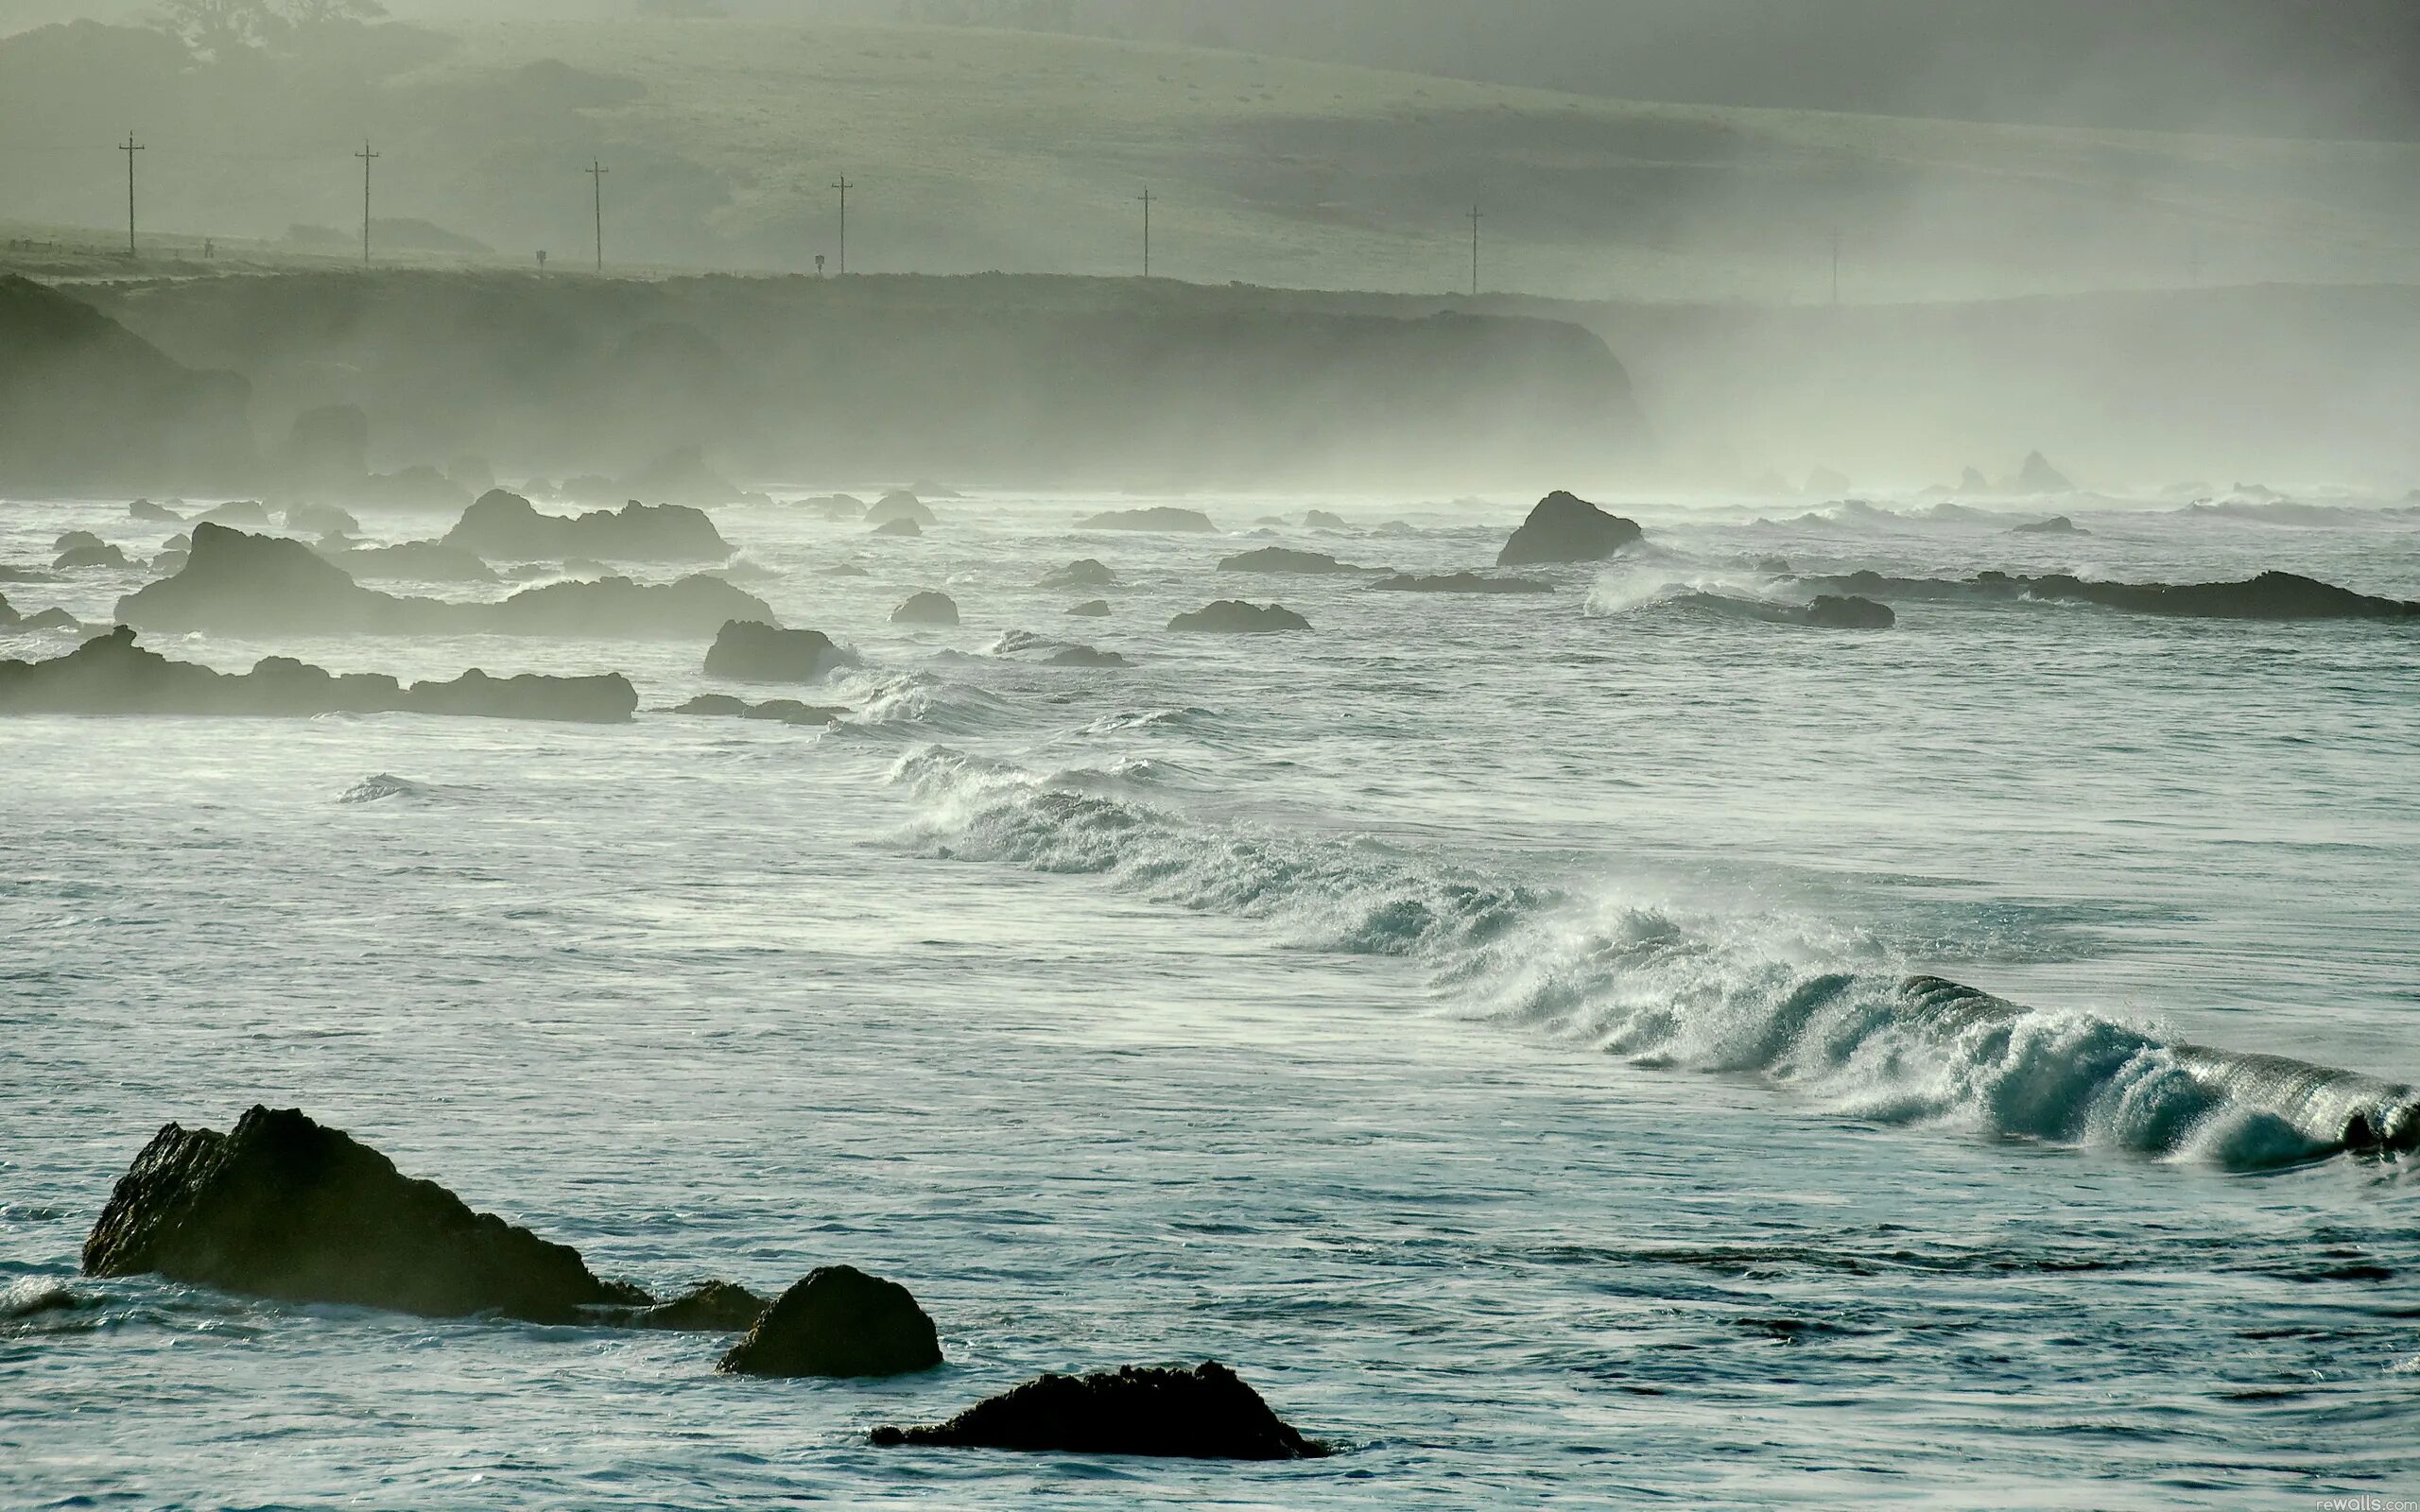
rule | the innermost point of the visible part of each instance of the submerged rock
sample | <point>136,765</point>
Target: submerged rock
<point>1163,518</point>
<point>509,526</point>
<point>1565,529</point>
<point>1205,1413</point>
<point>840,1322</point>
<point>900,526</point>
<point>900,505</point>
<point>718,1307</point>
<point>2055,525</point>
<point>1830,612</point>
<point>1096,609</point>
<point>777,711</point>
<point>1462,583</point>
<point>1232,616</point>
<point>284,1207</point>
<point>110,674</point>
<point>927,608</point>
<point>1084,574</point>
<point>1279,560</point>
<point>750,651</point>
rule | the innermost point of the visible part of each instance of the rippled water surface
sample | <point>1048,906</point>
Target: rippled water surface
<point>1479,1020</point>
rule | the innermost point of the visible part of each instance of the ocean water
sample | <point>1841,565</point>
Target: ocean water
<point>1480,1022</point>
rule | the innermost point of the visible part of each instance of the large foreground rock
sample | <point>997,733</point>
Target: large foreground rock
<point>1233,616</point>
<point>1205,1413</point>
<point>285,1208</point>
<point>111,675</point>
<point>1163,518</point>
<point>840,1321</point>
<point>1563,529</point>
<point>239,584</point>
<point>750,651</point>
<point>506,527</point>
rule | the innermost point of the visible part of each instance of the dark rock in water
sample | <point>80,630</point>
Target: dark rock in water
<point>1322,520</point>
<point>1462,583</point>
<point>281,1206</point>
<point>1835,613</point>
<point>509,526</point>
<point>420,561</point>
<point>777,711</point>
<point>321,520</point>
<point>241,584</point>
<point>900,505</point>
<point>835,507</point>
<point>2055,525</point>
<point>718,1307</point>
<point>901,527</point>
<point>751,651</point>
<point>2038,476</point>
<point>1163,518</point>
<point>1096,609</point>
<point>1278,559</point>
<point>1205,1413</point>
<point>841,1322</point>
<point>1563,529</point>
<point>75,540</point>
<point>927,608</point>
<point>81,558</point>
<point>1084,656</point>
<point>145,509</point>
<point>1230,616</point>
<point>111,675</point>
<point>49,619</point>
<point>1084,574</point>
<point>2269,596</point>
<point>846,569</point>
<point>239,513</point>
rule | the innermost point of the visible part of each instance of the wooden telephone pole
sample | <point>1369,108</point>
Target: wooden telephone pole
<point>130,149</point>
<point>367,158</point>
<point>844,186</point>
<point>596,172</point>
<point>1148,198</point>
<point>1475,217</point>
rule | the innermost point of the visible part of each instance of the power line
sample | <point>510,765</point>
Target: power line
<point>131,148</point>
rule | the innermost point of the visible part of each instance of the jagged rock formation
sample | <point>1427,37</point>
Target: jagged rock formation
<point>506,526</point>
<point>2038,476</point>
<point>1205,1413</point>
<point>111,675</point>
<point>1163,519</point>
<point>1230,616</point>
<point>839,1322</point>
<point>751,651</point>
<point>1563,529</point>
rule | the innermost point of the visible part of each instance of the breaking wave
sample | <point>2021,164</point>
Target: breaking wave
<point>1787,1001</point>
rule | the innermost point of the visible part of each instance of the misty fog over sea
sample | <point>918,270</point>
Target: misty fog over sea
<point>1714,872</point>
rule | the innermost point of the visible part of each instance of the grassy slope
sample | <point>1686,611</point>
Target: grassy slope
<point>1017,151</point>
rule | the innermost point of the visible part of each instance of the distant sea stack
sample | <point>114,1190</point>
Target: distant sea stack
<point>1563,529</point>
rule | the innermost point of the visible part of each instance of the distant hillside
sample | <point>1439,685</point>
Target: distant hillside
<point>975,150</point>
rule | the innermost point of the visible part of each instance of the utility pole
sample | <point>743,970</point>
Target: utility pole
<point>596,172</point>
<point>1474,220</point>
<point>844,186</point>
<point>1836,269</point>
<point>367,158</point>
<point>1148,198</point>
<point>130,149</point>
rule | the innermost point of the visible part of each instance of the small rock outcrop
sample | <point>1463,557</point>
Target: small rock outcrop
<point>1835,613</point>
<point>1095,608</point>
<point>2270,596</point>
<point>927,607</point>
<point>1563,529</point>
<point>98,554</point>
<point>1084,574</point>
<point>1280,559</point>
<point>777,711</point>
<point>1322,520</point>
<point>2056,525</point>
<point>616,608</point>
<point>1461,583</point>
<point>110,674</point>
<point>751,651</point>
<point>1205,1413</point>
<point>900,505</point>
<point>284,1207</point>
<point>157,513</point>
<point>834,506</point>
<point>718,1307</point>
<point>1085,656</point>
<point>1163,519</point>
<point>321,520</point>
<point>504,525</point>
<point>839,1322</point>
<point>900,526</point>
<point>1232,616</point>
<point>239,513</point>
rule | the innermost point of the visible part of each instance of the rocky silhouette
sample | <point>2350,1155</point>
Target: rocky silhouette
<point>777,711</point>
<point>1163,519</point>
<point>839,1321</point>
<point>927,607</point>
<point>2270,596</point>
<point>1566,529</point>
<point>1205,1413</point>
<point>1279,560</point>
<point>900,505</point>
<point>1084,574</point>
<point>506,528</point>
<point>752,651</point>
<point>1231,616</point>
